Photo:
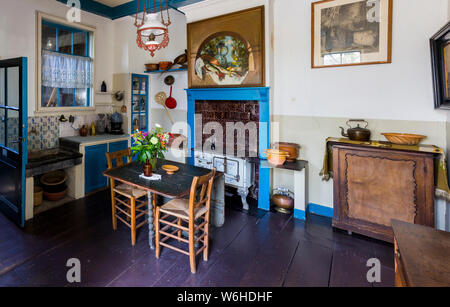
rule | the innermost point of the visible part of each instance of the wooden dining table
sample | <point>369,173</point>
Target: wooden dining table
<point>177,185</point>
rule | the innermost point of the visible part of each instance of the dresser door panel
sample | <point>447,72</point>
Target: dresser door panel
<point>373,186</point>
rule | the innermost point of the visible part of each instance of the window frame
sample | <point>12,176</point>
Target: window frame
<point>40,18</point>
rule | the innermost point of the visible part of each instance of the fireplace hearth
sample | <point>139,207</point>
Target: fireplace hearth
<point>242,115</point>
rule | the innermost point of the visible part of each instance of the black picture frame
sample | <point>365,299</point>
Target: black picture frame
<point>437,44</point>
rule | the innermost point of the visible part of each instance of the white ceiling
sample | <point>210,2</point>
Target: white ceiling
<point>112,3</point>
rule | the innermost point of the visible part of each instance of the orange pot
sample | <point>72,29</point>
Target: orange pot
<point>165,65</point>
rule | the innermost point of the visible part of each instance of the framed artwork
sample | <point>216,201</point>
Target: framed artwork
<point>440,61</point>
<point>227,51</point>
<point>351,32</point>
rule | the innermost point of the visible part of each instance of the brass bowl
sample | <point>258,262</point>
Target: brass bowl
<point>283,201</point>
<point>404,138</point>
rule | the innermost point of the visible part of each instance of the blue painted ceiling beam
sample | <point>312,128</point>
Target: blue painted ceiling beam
<point>124,9</point>
<point>94,7</point>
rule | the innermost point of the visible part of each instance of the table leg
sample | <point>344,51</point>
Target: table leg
<point>151,226</point>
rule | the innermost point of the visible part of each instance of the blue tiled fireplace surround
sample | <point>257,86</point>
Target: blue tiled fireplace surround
<point>261,94</point>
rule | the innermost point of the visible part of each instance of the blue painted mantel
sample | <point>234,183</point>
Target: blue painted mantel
<point>260,94</point>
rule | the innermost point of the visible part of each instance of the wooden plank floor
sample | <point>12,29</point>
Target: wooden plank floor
<point>263,249</point>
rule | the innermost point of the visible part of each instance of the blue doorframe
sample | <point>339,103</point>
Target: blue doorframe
<point>260,94</point>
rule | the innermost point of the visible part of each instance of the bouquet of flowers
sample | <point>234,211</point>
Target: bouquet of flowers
<point>150,146</point>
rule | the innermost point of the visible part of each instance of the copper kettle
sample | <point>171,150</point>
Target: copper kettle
<point>357,133</point>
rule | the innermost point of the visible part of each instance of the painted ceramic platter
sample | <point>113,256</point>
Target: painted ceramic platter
<point>170,169</point>
<point>224,58</point>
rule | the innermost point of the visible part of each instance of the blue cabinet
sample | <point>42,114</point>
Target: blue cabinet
<point>139,98</point>
<point>94,165</point>
<point>117,146</point>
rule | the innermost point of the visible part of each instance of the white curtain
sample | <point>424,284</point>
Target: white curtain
<point>66,71</point>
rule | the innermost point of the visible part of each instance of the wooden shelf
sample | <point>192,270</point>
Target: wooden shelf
<point>298,165</point>
<point>104,93</point>
<point>163,71</point>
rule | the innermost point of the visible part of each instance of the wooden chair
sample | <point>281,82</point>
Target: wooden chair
<point>125,197</point>
<point>188,211</point>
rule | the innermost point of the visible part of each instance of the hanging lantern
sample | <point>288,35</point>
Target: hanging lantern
<point>152,27</point>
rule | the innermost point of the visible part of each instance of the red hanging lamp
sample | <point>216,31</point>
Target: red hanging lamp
<point>152,27</point>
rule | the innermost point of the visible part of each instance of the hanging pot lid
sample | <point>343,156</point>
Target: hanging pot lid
<point>169,80</point>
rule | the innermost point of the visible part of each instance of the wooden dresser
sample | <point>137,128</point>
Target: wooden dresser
<point>422,256</point>
<point>374,185</point>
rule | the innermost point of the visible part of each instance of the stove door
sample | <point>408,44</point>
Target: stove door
<point>231,169</point>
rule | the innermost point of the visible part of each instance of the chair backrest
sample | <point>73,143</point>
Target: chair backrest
<point>201,190</point>
<point>119,157</point>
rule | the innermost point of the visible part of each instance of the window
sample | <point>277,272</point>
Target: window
<point>342,58</point>
<point>67,65</point>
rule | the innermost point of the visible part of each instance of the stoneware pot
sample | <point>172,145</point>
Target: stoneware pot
<point>55,196</point>
<point>148,170</point>
<point>292,148</point>
<point>84,131</point>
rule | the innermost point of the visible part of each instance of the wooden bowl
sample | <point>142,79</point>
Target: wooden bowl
<point>292,148</point>
<point>404,138</point>
<point>276,157</point>
<point>151,67</point>
<point>165,65</point>
<point>170,169</point>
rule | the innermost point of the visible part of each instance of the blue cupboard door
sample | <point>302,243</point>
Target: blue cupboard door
<point>94,165</point>
<point>118,146</point>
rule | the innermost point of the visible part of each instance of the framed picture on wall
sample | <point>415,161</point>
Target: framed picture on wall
<point>227,51</point>
<point>440,61</point>
<point>351,32</point>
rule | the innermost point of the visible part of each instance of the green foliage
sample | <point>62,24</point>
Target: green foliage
<point>150,146</point>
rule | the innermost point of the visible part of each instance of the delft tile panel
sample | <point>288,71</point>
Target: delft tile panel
<point>43,133</point>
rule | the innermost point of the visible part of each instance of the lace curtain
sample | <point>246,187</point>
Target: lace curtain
<point>66,71</point>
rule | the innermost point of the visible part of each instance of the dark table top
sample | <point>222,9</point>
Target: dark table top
<point>177,185</point>
<point>424,252</point>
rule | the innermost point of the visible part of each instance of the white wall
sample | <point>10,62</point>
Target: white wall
<point>311,103</point>
<point>128,57</point>
<point>400,91</point>
<point>18,38</point>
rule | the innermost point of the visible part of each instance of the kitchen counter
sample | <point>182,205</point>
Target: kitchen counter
<point>75,141</point>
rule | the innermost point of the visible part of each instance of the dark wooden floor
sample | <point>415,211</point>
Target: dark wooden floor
<point>263,249</point>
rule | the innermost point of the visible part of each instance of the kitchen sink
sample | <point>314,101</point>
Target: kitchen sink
<point>51,154</point>
<point>52,157</point>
